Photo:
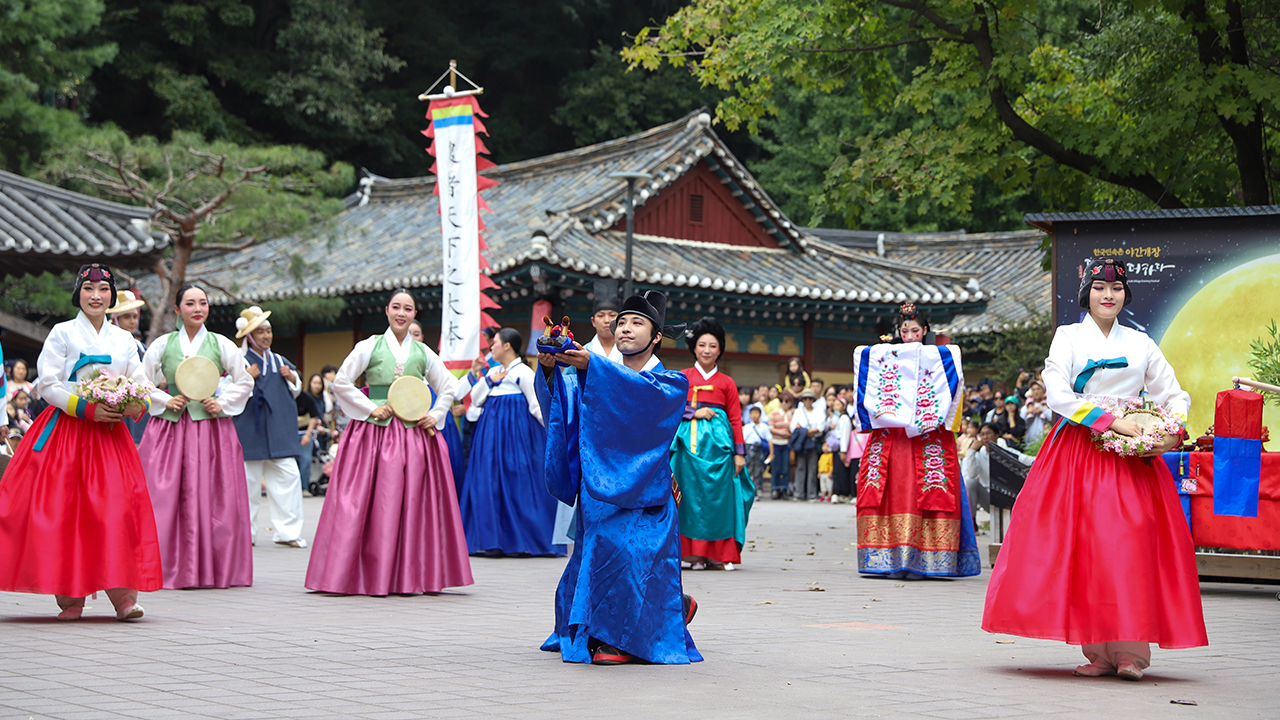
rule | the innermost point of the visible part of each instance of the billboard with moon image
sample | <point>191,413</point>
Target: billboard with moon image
<point>1204,288</point>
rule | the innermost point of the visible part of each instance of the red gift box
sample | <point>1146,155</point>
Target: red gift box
<point>1238,414</point>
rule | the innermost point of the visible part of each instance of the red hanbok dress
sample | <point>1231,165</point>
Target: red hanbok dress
<point>1098,549</point>
<point>75,516</point>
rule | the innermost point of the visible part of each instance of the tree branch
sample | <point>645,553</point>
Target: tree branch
<point>234,297</point>
<point>1145,183</point>
<point>220,247</point>
<point>870,48</point>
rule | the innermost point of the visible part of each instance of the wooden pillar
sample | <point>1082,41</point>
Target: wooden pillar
<point>807,357</point>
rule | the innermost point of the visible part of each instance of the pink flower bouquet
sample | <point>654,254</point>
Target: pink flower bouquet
<point>1154,421</point>
<point>115,391</point>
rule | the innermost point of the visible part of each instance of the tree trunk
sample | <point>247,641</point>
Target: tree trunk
<point>172,278</point>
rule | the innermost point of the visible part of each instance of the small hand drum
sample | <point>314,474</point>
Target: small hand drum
<point>197,378</point>
<point>409,398</point>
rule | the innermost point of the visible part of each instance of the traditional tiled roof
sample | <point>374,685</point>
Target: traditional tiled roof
<point>1007,265</point>
<point>557,213</point>
<point>1046,220</point>
<point>43,227</point>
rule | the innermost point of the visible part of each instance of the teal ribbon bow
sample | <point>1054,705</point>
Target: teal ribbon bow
<point>1092,366</point>
<point>75,370</point>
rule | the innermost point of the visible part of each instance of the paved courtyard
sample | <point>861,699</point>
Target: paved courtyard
<point>796,632</point>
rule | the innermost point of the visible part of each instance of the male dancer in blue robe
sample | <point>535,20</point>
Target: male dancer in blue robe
<point>609,428</point>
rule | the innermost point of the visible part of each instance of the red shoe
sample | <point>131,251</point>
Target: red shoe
<point>610,655</point>
<point>690,609</point>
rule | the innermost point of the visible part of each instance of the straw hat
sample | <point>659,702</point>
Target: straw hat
<point>249,320</point>
<point>125,302</point>
<point>807,394</point>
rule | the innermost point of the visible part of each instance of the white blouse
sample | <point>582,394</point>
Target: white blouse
<point>358,406</point>
<point>234,389</point>
<point>63,348</point>
<point>1081,348</point>
<point>519,379</point>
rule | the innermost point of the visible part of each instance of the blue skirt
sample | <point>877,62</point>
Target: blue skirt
<point>453,440</point>
<point>505,504</point>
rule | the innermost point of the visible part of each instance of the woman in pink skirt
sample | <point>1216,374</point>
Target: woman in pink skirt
<point>390,523</point>
<point>193,460</point>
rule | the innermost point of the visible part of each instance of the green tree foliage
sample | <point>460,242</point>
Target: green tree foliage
<point>1264,358</point>
<point>41,298</point>
<point>44,62</point>
<point>209,196</point>
<point>1105,104</point>
<point>1020,346</point>
<point>813,140</point>
<point>295,71</point>
<point>609,100</point>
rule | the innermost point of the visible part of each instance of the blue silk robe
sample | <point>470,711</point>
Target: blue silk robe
<point>609,429</point>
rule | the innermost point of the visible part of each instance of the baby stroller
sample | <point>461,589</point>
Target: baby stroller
<point>319,485</point>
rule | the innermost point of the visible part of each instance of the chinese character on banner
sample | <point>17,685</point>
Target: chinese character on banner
<point>455,128</point>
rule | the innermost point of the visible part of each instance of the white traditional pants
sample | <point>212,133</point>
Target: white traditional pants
<point>284,496</point>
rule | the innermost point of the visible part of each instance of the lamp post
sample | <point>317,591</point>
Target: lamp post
<point>631,178</point>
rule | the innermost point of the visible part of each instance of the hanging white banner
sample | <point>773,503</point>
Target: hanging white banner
<point>455,151</point>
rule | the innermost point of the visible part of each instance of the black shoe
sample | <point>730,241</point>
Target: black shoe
<point>607,654</point>
<point>690,608</point>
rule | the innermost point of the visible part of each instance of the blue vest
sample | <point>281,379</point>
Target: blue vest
<point>268,427</point>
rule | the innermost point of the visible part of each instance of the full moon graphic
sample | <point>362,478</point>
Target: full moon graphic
<point>1208,340</point>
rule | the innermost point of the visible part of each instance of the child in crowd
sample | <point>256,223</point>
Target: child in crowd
<point>968,437</point>
<point>19,412</point>
<point>744,398</point>
<point>757,438</point>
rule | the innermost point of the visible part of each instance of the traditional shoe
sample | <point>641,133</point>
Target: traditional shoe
<point>129,612</point>
<point>1129,671</point>
<point>299,543</point>
<point>72,613</point>
<point>690,608</point>
<point>610,655</point>
<point>728,566</point>
<point>699,565</point>
<point>713,565</point>
<point>1098,668</point>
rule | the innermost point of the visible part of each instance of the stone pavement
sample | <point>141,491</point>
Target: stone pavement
<point>795,631</point>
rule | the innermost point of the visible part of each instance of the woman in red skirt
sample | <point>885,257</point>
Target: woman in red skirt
<point>1098,553</point>
<point>75,516</point>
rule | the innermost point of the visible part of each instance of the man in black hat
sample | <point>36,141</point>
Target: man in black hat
<point>609,430</point>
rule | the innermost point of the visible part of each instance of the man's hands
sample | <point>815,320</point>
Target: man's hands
<point>287,373</point>
<point>254,371</point>
<point>576,358</point>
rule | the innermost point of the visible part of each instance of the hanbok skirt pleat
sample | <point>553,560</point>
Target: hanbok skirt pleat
<point>897,535</point>
<point>195,473</point>
<point>75,517</point>
<point>453,439</point>
<point>505,504</point>
<point>714,502</point>
<point>1098,550</point>
<point>390,523</point>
